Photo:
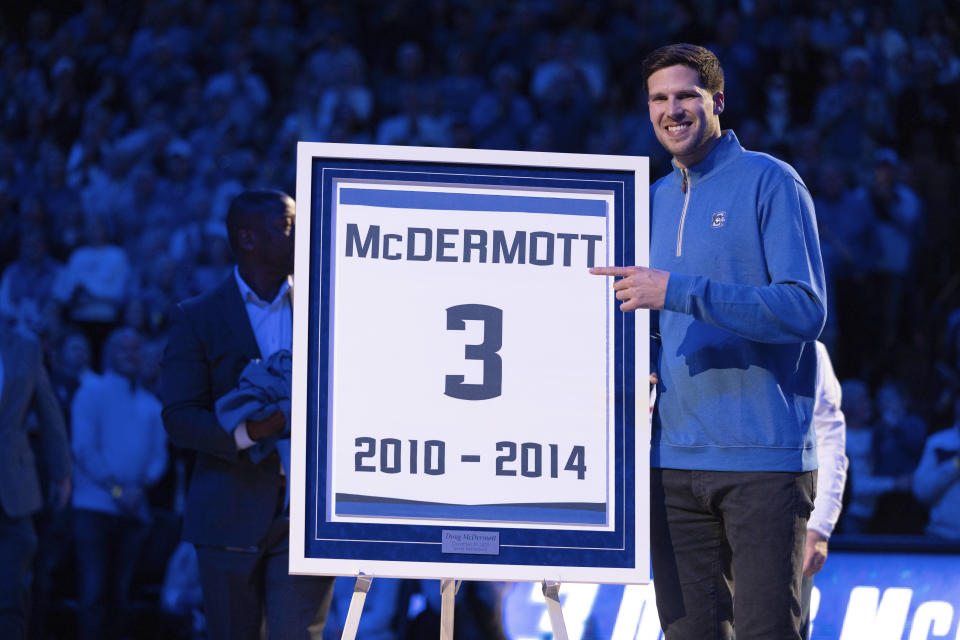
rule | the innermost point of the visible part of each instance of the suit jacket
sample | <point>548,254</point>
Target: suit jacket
<point>231,501</point>
<point>26,387</point>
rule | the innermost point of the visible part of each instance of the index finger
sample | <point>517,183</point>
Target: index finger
<point>614,271</point>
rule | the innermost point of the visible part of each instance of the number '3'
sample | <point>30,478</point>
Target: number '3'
<point>486,351</point>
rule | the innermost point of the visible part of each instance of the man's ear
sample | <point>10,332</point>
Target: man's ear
<point>718,103</point>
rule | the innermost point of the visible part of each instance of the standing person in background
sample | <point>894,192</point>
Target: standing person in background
<point>738,280</point>
<point>69,367</point>
<point>235,513</point>
<point>828,422</point>
<point>120,451</point>
<point>25,387</point>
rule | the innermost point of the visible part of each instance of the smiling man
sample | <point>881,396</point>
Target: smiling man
<point>737,279</point>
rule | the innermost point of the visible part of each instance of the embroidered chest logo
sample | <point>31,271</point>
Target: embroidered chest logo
<point>719,219</point>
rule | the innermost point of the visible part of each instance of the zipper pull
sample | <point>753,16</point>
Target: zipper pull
<point>683,182</point>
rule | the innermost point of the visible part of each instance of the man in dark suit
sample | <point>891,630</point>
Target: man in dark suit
<point>25,387</point>
<point>235,507</point>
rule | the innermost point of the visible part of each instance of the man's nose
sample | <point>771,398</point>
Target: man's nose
<point>674,108</point>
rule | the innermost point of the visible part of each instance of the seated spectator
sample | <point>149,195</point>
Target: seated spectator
<point>501,117</point>
<point>936,481</point>
<point>899,220</point>
<point>900,432</point>
<point>565,102</point>
<point>420,123</point>
<point>897,447</point>
<point>461,85</point>
<point>800,60</point>
<point>272,34</point>
<point>348,91</point>
<point>107,192</point>
<point>152,208</point>
<point>64,108</point>
<point>393,89</point>
<point>59,198</point>
<point>180,187</point>
<point>561,62</point>
<point>851,111</point>
<point>245,91</point>
<point>92,285</point>
<point>948,369</point>
<point>846,224</point>
<point>27,285</point>
<point>865,485</point>
<point>883,41</point>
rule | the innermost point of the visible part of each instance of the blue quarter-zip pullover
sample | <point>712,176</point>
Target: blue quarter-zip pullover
<point>744,304</point>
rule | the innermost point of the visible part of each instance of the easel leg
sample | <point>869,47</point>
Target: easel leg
<point>551,593</point>
<point>360,588</point>
<point>448,591</point>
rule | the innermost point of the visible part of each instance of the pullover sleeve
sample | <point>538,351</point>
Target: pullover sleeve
<point>791,307</point>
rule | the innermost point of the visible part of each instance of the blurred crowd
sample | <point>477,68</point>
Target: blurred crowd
<point>127,128</point>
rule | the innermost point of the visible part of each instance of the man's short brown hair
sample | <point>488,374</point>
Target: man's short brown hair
<point>698,58</point>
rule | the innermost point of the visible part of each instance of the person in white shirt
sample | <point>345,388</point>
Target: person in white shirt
<point>120,450</point>
<point>235,512</point>
<point>830,427</point>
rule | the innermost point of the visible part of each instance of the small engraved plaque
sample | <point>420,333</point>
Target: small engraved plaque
<point>477,542</point>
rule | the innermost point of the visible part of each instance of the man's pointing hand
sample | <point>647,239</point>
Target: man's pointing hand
<point>637,287</point>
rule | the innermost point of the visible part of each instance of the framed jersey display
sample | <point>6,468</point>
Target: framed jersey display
<point>468,401</point>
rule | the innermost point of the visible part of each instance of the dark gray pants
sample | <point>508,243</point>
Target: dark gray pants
<point>243,591</point>
<point>727,548</point>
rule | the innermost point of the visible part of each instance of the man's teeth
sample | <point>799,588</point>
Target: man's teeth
<point>677,127</point>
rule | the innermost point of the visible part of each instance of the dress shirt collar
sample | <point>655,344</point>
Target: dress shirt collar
<point>250,296</point>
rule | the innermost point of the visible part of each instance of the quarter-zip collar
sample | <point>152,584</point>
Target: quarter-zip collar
<point>724,152</point>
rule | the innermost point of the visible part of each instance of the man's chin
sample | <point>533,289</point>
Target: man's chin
<point>674,146</point>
